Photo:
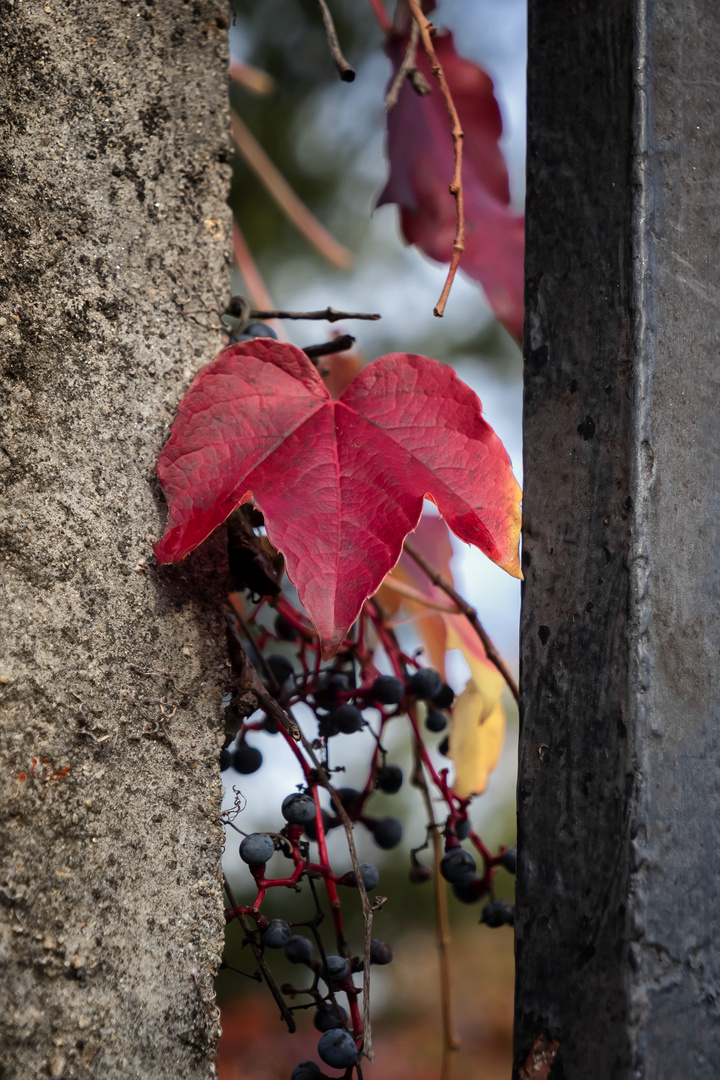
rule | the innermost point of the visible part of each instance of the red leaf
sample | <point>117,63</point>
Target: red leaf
<point>421,165</point>
<point>341,483</point>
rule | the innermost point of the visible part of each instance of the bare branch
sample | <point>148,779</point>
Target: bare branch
<point>470,614</point>
<point>340,344</point>
<point>456,190</point>
<point>408,70</point>
<point>345,70</point>
<point>328,314</point>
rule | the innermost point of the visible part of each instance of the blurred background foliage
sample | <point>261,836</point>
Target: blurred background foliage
<point>326,138</point>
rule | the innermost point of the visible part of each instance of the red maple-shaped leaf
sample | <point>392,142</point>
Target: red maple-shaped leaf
<point>341,483</point>
<point>421,165</point>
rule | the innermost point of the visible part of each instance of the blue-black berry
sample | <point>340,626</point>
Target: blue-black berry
<point>337,1048</point>
<point>425,683</point>
<point>346,718</point>
<point>444,746</point>
<point>285,629</point>
<point>225,759</point>
<point>380,952</point>
<point>508,860</point>
<point>329,687</point>
<point>369,873</point>
<point>280,667</point>
<point>306,1070</point>
<point>329,1016</point>
<point>298,808</point>
<point>311,828</point>
<point>463,828</point>
<point>387,832</point>
<point>277,934</point>
<point>247,759</point>
<point>298,949</point>
<point>498,913</point>
<point>256,329</point>
<point>387,690</point>
<point>444,697</point>
<point>389,779</point>
<point>336,970</point>
<point>256,848</point>
<point>349,796</point>
<point>457,865</point>
<point>435,721</point>
<point>468,892</point>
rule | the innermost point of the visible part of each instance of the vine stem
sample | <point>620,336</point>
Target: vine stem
<point>456,189</point>
<point>470,614</point>
<point>451,1043</point>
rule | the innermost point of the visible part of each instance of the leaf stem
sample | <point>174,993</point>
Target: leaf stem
<point>470,614</point>
<point>456,189</point>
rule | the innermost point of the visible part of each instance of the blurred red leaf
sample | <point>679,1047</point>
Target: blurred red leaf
<point>341,483</point>
<point>421,165</point>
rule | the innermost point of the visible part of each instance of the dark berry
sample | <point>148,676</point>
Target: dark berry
<point>369,873</point>
<point>435,721</point>
<point>498,913</point>
<point>306,1070</point>
<point>256,848</point>
<point>444,697</point>
<point>508,860</point>
<point>285,629</point>
<point>444,746</point>
<point>326,693</point>
<point>298,808</point>
<point>419,874</point>
<point>257,329</point>
<point>380,952</point>
<point>270,725</point>
<point>326,727</point>
<point>277,934</point>
<point>457,865</point>
<point>349,796</point>
<point>336,970</point>
<point>247,759</point>
<point>387,832</point>
<point>311,828</point>
<point>280,667</point>
<point>463,828</point>
<point>387,690</point>
<point>299,950</point>
<point>225,759</point>
<point>347,718</point>
<point>425,683</point>
<point>468,892</point>
<point>389,779</point>
<point>329,1016</point>
<point>337,1048</point>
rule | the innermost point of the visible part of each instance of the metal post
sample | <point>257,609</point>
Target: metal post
<point>618,906</point>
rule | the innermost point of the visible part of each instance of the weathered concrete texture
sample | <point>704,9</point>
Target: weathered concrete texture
<point>618,894</point>
<point>113,143</point>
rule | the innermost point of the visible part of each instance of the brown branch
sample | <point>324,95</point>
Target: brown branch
<point>252,78</point>
<point>451,1043</point>
<point>339,344</point>
<point>345,70</point>
<point>456,189</point>
<point>285,197</point>
<point>260,960</point>
<point>470,614</point>
<point>408,70</point>
<point>328,314</point>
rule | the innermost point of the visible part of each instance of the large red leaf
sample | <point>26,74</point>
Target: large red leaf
<point>421,165</point>
<point>341,483</point>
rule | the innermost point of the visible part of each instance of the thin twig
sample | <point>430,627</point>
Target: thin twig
<point>260,960</point>
<point>345,70</point>
<point>252,78</point>
<point>408,70</point>
<point>287,200</point>
<point>470,614</point>
<point>451,1043</point>
<point>409,593</point>
<point>328,314</point>
<point>339,344</point>
<point>456,189</point>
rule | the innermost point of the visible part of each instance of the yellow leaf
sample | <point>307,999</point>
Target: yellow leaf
<point>461,635</point>
<point>476,739</point>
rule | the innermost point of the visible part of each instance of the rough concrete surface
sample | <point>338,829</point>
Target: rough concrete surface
<point>113,151</point>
